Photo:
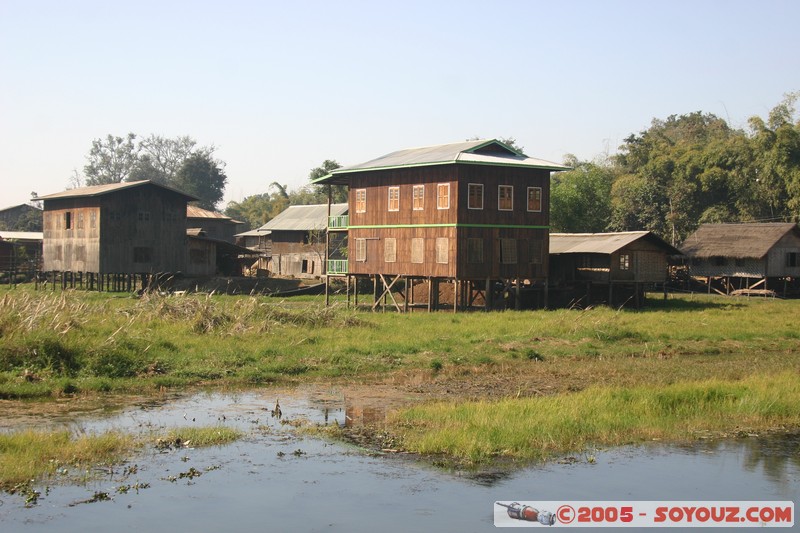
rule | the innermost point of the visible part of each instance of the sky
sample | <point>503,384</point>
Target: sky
<point>279,87</point>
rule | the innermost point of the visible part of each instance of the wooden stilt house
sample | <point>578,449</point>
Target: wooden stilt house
<point>611,268</point>
<point>104,236</point>
<point>472,214</point>
<point>753,258</point>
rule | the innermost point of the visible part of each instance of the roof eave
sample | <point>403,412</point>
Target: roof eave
<point>335,174</point>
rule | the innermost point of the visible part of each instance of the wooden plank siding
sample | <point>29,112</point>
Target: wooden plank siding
<point>138,230</point>
<point>457,223</point>
<point>289,251</point>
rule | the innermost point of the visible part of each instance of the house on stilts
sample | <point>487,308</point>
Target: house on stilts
<point>756,258</point>
<point>612,268</point>
<point>113,236</point>
<point>472,215</point>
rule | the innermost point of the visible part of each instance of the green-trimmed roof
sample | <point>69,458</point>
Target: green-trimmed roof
<point>482,152</point>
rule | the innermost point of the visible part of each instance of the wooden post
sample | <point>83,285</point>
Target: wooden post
<point>455,296</point>
<point>517,294</point>
<point>488,296</point>
<point>546,293</point>
<point>430,294</point>
<point>355,292</point>
<point>405,297</point>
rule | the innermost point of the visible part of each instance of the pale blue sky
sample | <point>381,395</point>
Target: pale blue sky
<point>279,87</point>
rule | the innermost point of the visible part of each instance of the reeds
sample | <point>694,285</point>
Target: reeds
<point>538,428</point>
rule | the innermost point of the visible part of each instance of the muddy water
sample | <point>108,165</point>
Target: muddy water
<point>278,480</point>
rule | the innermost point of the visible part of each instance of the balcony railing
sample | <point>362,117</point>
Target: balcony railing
<point>339,222</point>
<point>337,266</point>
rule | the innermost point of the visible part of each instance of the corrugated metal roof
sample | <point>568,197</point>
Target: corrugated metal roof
<point>253,233</point>
<point>98,190</point>
<point>483,152</point>
<point>601,243</point>
<point>192,211</point>
<point>304,217</point>
<point>741,241</point>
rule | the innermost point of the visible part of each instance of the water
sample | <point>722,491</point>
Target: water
<point>260,484</point>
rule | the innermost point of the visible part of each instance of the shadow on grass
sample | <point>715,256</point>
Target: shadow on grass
<point>681,304</point>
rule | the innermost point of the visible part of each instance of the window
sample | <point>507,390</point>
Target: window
<point>624,261</point>
<point>443,196</point>
<point>93,219</point>
<point>475,251</point>
<point>475,200</point>
<point>508,251</point>
<point>442,250</point>
<point>505,198</point>
<point>144,216</point>
<point>535,249</point>
<point>390,250</point>
<point>394,198</point>
<point>417,250</point>
<point>79,222</point>
<point>361,200</point>
<point>68,220</point>
<point>535,199</point>
<point>791,259</point>
<point>419,197</point>
<point>142,254</point>
<point>80,253</point>
<point>361,250</point>
<point>304,266</point>
<point>59,253</point>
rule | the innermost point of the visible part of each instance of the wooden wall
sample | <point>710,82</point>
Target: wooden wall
<point>202,258</point>
<point>136,230</point>
<point>74,249</point>
<point>457,223</point>
<point>288,252</point>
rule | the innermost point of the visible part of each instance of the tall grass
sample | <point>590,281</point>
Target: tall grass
<point>537,428</point>
<point>33,454</point>
<point>54,343</point>
<point>200,437</point>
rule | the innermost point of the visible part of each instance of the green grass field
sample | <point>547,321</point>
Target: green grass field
<point>78,342</point>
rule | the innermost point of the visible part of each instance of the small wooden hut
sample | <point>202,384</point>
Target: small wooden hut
<point>751,258</point>
<point>297,239</point>
<point>213,224</point>
<point>613,268</point>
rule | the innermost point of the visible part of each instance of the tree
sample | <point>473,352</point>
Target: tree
<point>318,194</point>
<point>160,158</point>
<point>111,160</point>
<point>580,199</point>
<point>672,173</point>
<point>204,177</point>
<point>177,162</point>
